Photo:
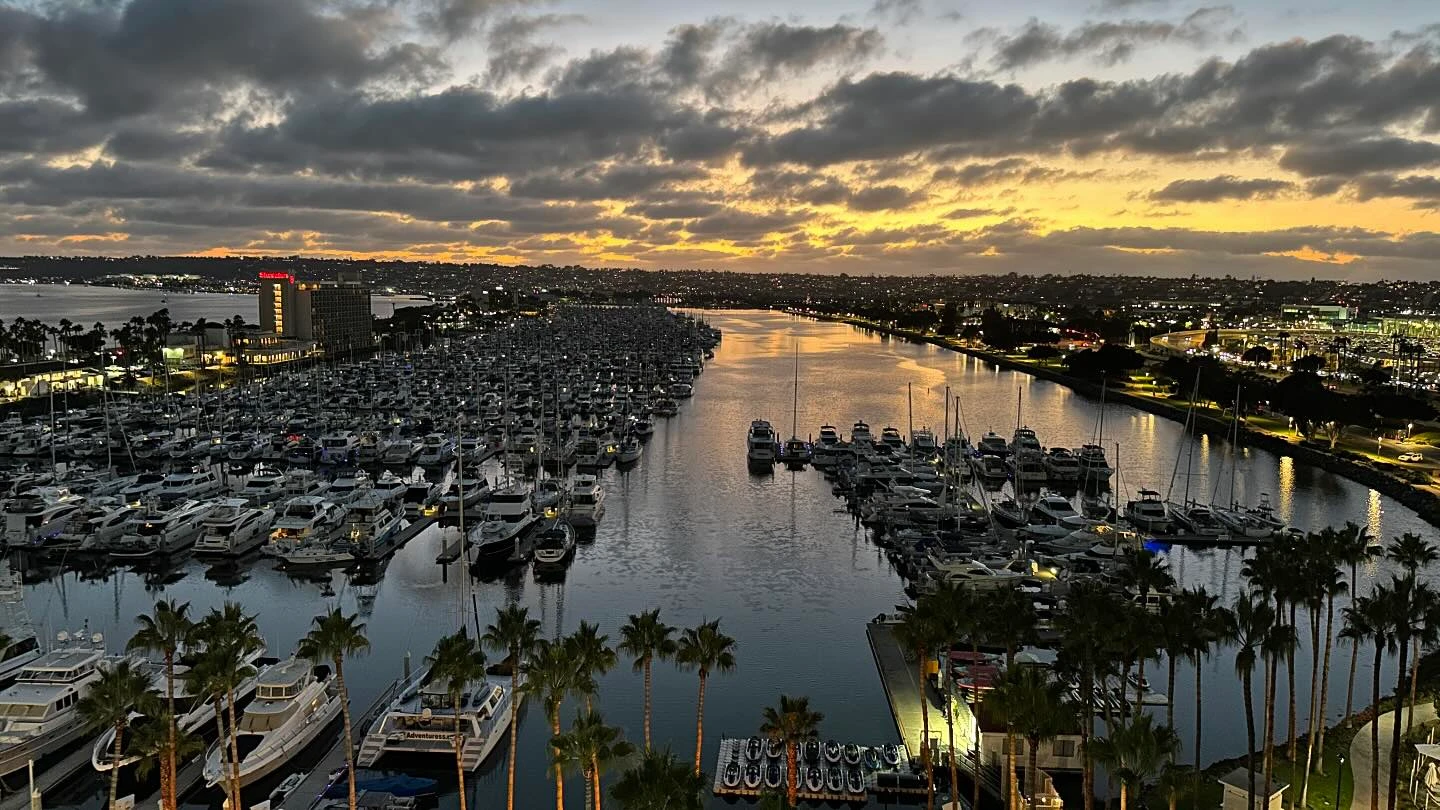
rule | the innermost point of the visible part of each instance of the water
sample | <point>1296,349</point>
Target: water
<point>113,306</point>
<point>689,531</point>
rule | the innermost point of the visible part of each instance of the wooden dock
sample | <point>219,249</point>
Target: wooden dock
<point>311,792</point>
<point>902,686</point>
<point>731,747</point>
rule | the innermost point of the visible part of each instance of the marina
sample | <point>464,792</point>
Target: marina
<point>688,513</point>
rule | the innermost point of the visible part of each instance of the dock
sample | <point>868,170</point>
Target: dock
<point>731,748</point>
<point>406,534</point>
<point>52,777</point>
<point>452,551</point>
<point>902,687</point>
<point>311,791</point>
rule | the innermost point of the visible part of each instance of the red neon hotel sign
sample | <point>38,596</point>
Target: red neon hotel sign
<point>270,275</point>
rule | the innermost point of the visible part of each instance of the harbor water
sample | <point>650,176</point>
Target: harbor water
<point>774,557</point>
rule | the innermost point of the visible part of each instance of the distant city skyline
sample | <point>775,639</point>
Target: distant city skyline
<point>881,136</point>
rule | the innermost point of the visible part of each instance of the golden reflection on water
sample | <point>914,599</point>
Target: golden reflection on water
<point>1374,513</point>
<point>1286,485</point>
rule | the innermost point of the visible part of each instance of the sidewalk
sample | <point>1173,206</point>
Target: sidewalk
<point>1360,757</point>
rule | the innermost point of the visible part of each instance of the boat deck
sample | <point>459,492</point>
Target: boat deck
<point>310,793</point>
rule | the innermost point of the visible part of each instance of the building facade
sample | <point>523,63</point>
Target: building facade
<point>333,314</point>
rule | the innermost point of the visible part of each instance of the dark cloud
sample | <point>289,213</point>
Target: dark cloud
<point>901,12</point>
<point>1422,188</point>
<point>45,126</point>
<point>1109,42</point>
<point>152,143</point>
<point>678,209</point>
<point>1221,187</point>
<point>1352,157</point>
<point>514,53</point>
<point>972,213</point>
<point>614,183</point>
<point>454,19</point>
<point>884,198</point>
<point>129,58</point>
<point>739,224</point>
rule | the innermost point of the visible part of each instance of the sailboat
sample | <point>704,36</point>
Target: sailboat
<point>1187,515</point>
<point>795,453</point>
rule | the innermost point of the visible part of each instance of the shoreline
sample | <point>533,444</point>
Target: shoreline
<point>1425,504</point>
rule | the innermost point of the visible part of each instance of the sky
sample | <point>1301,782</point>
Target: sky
<point>1280,139</point>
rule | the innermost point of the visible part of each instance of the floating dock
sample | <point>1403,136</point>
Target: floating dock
<point>52,777</point>
<point>732,748</point>
<point>902,687</point>
<point>406,534</point>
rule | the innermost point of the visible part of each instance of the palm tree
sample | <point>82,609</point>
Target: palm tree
<point>1210,621</point>
<point>1279,643</point>
<point>151,742</point>
<point>704,649</point>
<point>1135,752</point>
<point>1011,623</point>
<point>921,631</point>
<point>1247,627</point>
<point>108,702</point>
<point>1412,552</point>
<point>550,677</point>
<point>335,637</point>
<point>1331,583</point>
<point>792,724</point>
<point>515,634</point>
<point>1036,706</point>
<point>456,663</point>
<point>1352,548</point>
<point>592,653</point>
<point>659,781</point>
<point>167,631</point>
<point>1410,605</point>
<point>1368,618</point>
<point>230,636</point>
<point>1084,628</point>
<point>954,605</point>
<point>589,747</point>
<point>646,639</point>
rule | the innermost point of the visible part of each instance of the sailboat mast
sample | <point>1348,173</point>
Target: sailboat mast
<point>910,420</point>
<point>795,399</point>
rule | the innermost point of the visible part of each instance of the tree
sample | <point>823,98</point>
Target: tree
<point>919,634</point>
<point>1042,352</point>
<point>515,634</point>
<point>1037,707</point>
<point>108,702</point>
<point>792,723</point>
<point>1309,364</point>
<point>1135,752</point>
<point>1010,622</point>
<point>704,649</point>
<point>335,637</point>
<point>230,637</point>
<point>588,747</point>
<point>659,781</point>
<point>1258,354</point>
<point>1247,627</point>
<point>592,654</point>
<point>549,678</point>
<point>167,632</point>
<point>457,662</point>
<point>151,742</point>
<point>646,639</point>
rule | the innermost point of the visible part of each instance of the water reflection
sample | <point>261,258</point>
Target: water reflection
<point>787,572</point>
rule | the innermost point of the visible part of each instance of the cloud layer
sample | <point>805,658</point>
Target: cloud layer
<point>473,129</point>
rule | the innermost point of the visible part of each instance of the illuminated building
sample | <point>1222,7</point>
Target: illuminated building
<point>334,314</point>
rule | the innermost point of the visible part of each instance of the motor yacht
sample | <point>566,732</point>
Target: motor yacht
<point>554,547</point>
<point>507,517</point>
<point>234,529</point>
<point>339,448</point>
<point>24,646</point>
<point>993,444</point>
<point>760,446</point>
<point>35,518</point>
<point>465,490</point>
<point>94,528</point>
<point>1147,513</point>
<point>587,501</point>
<point>303,521</point>
<point>1027,468</point>
<point>391,488</point>
<point>548,494</point>
<point>1196,519</point>
<point>348,485</point>
<point>923,444</point>
<point>629,451</point>
<point>160,532</point>
<point>1093,466</point>
<point>991,469</point>
<point>795,453</point>
<point>263,486</point>
<point>294,702</point>
<point>890,437</point>
<point>371,527</point>
<point>1062,466</point>
<point>435,449</point>
<point>420,497</point>
<point>200,482</point>
<point>422,720</point>
<point>39,713</point>
<point>140,487</point>
<point>860,436</point>
<point>1024,440</point>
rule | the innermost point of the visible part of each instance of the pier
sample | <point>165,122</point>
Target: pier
<point>901,687</point>
<point>406,534</point>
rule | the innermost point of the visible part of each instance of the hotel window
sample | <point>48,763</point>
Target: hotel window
<point>1063,748</point>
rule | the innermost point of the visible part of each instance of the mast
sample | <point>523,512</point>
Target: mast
<point>910,420</point>
<point>795,400</point>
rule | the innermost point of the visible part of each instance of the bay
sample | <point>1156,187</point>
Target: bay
<point>774,558</point>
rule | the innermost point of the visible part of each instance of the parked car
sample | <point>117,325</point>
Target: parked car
<point>1411,458</point>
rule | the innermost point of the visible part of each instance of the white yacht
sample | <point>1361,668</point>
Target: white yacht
<point>141,487</point>
<point>264,486</point>
<point>587,501</point>
<point>294,702</point>
<point>162,532</point>
<point>993,444</point>
<point>554,547</point>
<point>15,623</point>
<point>234,528</point>
<point>466,490</point>
<point>1023,440</point>
<point>1147,513</point>
<point>422,720</point>
<point>94,528</point>
<point>201,482</point>
<point>38,713</point>
<point>1027,469</point>
<point>193,714</point>
<point>435,449</point>
<point>420,497</point>
<point>304,520</point>
<point>1062,466</point>
<point>390,487</point>
<point>760,446</point>
<point>339,448</point>
<point>507,517</point>
<point>34,518</point>
<point>923,444</point>
<point>349,485</point>
<point>1093,466</point>
<point>371,526</point>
